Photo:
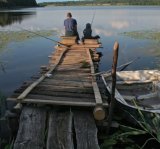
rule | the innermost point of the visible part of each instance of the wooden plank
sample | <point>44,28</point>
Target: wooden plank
<point>60,130</point>
<point>60,98</point>
<point>75,47</point>
<point>85,129</point>
<point>63,89</point>
<point>61,94</point>
<point>73,74</point>
<point>91,41</point>
<point>60,103</point>
<point>74,84</point>
<point>31,133</point>
<point>79,81</point>
<point>97,94</point>
<point>71,70</point>
<point>68,40</point>
<point>72,77</point>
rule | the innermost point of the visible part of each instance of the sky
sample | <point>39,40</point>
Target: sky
<point>40,1</point>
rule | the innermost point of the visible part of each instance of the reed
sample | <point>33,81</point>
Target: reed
<point>124,136</point>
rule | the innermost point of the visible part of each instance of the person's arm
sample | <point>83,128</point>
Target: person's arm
<point>65,24</point>
<point>75,24</point>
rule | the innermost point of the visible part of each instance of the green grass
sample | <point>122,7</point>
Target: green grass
<point>7,37</point>
<point>85,64</point>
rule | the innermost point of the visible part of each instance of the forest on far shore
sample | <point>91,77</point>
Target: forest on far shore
<point>17,3</point>
<point>103,2</point>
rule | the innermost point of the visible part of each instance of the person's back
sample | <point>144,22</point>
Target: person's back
<point>70,25</point>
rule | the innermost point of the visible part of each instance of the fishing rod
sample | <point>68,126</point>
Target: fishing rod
<point>42,36</point>
<point>123,66</point>
<point>93,17</point>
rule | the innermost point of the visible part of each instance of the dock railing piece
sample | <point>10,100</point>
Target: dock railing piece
<point>34,84</point>
<point>99,112</point>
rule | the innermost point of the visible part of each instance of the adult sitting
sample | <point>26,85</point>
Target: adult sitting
<point>71,26</point>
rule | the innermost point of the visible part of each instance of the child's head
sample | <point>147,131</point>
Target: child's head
<point>88,25</point>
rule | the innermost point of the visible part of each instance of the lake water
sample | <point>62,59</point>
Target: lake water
<point>23,58</point>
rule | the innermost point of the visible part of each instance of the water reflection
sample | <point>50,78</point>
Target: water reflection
<point>8,18</point>
<point>119,24</point>
<point>25,56</point>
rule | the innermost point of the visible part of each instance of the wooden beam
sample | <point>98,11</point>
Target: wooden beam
<point>99,112</point>
<point>57,102</point>
<point>114,68</point>
<point>34,84</point>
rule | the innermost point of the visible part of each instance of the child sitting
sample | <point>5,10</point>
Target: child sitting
<point>87,32</point>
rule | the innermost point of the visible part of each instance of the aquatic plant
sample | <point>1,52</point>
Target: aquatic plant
<point>151,34</point>
<point>124,136</point>
<point>149,123</point>
<point>7,37</point>
<point>85,64</point>
<point>6,145</point>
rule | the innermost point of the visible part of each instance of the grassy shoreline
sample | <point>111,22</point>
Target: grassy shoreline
<point>102,3</point>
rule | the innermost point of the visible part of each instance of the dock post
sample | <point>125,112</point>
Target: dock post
<point>99,113</point>
<point>114,67</point>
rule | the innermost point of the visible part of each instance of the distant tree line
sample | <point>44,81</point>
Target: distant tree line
<point>17,3</point>
<point>103,2</point>
<point>129,2</point>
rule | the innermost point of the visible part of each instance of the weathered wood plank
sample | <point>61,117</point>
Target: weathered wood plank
<point>85,129</point>
<point>91,41</point>
<point>55,81</point>
<point>60,130</point>
<point>67,76</point>
<point>60,89</point>
<point>66,89</point>
<point>75,47</point>
<point>60,103</point>
<point>97,94</point>
<point>74,84</point>
<point>31,133</point>
<point>47,97</point>
<point>61,94</point>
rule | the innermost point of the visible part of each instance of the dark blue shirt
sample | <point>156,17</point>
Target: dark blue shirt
<point>70,24</point>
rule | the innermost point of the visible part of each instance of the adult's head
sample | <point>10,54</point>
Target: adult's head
<point>69,15</point>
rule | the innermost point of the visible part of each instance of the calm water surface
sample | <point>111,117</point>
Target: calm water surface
<point>22,59</point>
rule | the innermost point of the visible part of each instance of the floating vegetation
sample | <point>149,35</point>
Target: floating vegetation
<point>152,35</point>
<point>17,36</point>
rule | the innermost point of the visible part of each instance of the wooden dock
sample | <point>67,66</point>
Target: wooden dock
<point>49,118</point>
